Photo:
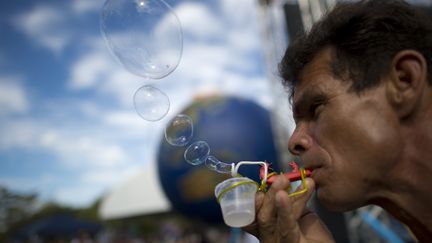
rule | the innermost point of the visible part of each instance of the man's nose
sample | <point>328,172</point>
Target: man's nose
<point>300,141</point>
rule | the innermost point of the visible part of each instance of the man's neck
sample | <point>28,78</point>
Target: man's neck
<point>411,197</point>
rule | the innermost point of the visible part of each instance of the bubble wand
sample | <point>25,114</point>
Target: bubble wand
<point>237,194</point>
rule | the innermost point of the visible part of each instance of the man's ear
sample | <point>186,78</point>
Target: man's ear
<point>408,78</point>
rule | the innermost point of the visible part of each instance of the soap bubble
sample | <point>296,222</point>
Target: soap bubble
<point>179,130</point>
<point>151,103</point>
<point>214,164</point>
<point>211,162</point>
<point>223,168</point>
<point>145,36</point>
<point>197,153</point>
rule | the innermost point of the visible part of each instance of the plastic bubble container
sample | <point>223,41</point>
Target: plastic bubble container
<point>236,197</point>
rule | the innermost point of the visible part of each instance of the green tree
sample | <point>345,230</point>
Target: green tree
<point>14,208</point>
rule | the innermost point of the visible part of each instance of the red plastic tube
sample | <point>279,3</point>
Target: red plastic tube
<point>294,175</point>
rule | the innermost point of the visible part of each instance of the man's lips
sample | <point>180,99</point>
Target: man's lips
<point>315,172</point>
<point>310,166</point>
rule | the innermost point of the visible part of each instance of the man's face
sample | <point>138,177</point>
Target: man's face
<point>350,140</point>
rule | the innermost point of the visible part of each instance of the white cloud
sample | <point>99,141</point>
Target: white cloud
<point>121,86</point>
<point>243,42</point>
<point>240,19</point>
<point>83,151</point>
<point>91,70</point>
<point>17,133</point>
<point>84,6</point>
<point>46,25</point>
<point>13,97</point>
<point>54,26</point>
<point>198,21</point>
<point>97,70</point>
<point>127,120</point>
<point>75,149</point>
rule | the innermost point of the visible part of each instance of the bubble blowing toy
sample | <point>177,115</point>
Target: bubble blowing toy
<point>236,195</point>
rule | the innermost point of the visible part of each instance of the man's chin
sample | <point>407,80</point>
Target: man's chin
<point>336,203</point>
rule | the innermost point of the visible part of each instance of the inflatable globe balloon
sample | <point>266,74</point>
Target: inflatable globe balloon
<point>235,129</point>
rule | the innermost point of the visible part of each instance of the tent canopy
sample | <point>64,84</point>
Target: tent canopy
<point>140,195</point>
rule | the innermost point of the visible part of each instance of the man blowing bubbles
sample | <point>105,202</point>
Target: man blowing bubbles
<point>361,89</point>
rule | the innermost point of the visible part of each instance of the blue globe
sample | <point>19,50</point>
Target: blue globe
<point>236,129</point>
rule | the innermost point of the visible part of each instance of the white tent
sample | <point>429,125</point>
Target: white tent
<point>141,194</point>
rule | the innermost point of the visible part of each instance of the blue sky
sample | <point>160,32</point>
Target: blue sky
<point>68,129</point>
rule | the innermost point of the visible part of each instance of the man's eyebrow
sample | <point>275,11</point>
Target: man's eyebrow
<point>308,97</point>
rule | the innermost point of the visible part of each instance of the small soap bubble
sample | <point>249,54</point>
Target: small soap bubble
<point>211,162</point>
<point>197,153</point>
<point>214,164</point>
<point>223,168</point>
<point>145,36</point>
<point>151,103</point>
<point>179,130</point>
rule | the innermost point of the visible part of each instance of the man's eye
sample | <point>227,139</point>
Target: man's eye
<point>315,109</point>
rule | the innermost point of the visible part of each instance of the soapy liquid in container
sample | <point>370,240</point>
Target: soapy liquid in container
<point>239,213</point>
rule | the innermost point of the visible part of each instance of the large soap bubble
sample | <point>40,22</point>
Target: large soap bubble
<point>144,35</point>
